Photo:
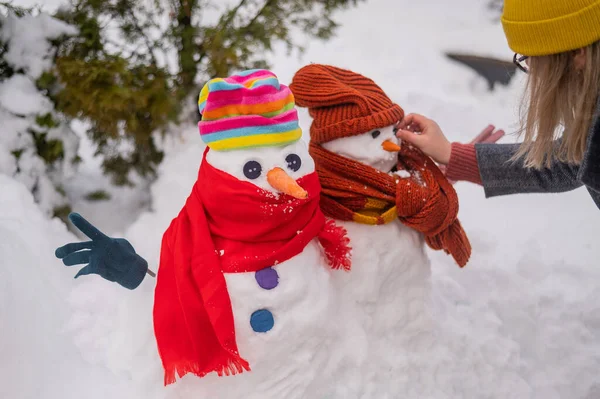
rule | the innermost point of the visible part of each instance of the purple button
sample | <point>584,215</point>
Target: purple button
<point>267,278</point>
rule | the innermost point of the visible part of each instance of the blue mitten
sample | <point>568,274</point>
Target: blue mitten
<point>112,258</point>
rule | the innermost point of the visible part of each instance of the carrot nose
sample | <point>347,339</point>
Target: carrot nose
<point>390,146</point>
<point>282,182</point>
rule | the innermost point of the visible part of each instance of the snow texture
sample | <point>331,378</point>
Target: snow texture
<point>367,148</point>
<point>29,102</point>
<point>28,43</point>
<point>520,321</point>
<point>29,54</point>
<point>39,360</point>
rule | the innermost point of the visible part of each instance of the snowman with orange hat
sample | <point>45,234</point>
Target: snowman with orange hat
<point>390,196</point>
<point>244,279</point>
<point>392,200</point>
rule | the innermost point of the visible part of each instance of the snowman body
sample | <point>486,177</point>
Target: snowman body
<point>287,317</point>
<point>298,355</point>
<point>296,358</point>
<point>390,267</point>
<point>389,287</point>
<point>418,346</point>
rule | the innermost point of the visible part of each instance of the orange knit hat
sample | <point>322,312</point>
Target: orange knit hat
<point>342,103</point>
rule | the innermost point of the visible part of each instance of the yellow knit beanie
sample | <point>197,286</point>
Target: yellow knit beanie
<point>543,27</point>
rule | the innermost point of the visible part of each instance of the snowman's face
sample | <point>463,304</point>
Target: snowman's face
<point>369,148</point>
<point>274,169</point>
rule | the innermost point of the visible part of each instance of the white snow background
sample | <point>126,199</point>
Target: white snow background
<point>533,278</point>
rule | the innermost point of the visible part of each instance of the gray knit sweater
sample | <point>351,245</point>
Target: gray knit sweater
<point>501,177</point>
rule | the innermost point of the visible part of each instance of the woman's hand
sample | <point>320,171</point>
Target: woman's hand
<point>489,135</point>
<point>426,135</point>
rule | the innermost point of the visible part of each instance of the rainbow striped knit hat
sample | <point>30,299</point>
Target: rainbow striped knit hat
<point>250,109</point>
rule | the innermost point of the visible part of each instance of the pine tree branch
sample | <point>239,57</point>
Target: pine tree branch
<point>246,28</point>
<point>259,14</point>
<point>232,14</point>
<point>145,38</point>
<point>17,10</point>
<point>224,25</point>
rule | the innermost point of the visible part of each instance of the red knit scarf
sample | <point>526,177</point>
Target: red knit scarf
<point>425,201</point>
<point>227,226</point>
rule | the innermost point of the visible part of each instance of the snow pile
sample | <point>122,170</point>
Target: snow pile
<point>117,331</point>
<point>39,359</point>
<point>29,53</point>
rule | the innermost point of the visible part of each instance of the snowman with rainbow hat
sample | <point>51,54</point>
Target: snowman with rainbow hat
<point>244,283</point>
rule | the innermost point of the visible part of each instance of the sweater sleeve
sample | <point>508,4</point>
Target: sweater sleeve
<point>463,164</point>
<point>490,165</point>
<point>501,176</point>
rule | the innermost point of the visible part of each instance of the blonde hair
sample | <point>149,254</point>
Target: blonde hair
<point>558,95</point>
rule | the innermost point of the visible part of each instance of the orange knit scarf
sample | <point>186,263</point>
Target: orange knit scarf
<point>425,201</point>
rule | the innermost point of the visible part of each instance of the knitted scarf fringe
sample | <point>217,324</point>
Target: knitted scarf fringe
<point>233,367</point>
<point>335,243</point>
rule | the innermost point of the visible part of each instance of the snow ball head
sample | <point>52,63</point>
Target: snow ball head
<point>352,115</point>
<point>250,124</point>
<point>274,169</point>
<point>377,148</point>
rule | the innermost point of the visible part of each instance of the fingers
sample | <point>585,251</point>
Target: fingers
<point>485,133</point>
<point>495,137</point>
<point>77,258</point>
<point>410,137</point>
<point>85,227</point>
<point>72,247</point>
<point>84,271</point>
<point>488,135</point>
<point>123,242</point>
<point>403,124</point>
<point>413,122</point>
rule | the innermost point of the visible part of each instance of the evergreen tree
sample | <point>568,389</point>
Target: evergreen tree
<point>136,64</point>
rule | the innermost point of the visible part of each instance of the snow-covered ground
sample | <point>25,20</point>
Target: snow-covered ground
<point>38,359</point>
<point>531,286</point>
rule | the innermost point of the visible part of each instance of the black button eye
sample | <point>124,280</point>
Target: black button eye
<point>375,134</point>
<point>293,162</point>
<point>252,170</point>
